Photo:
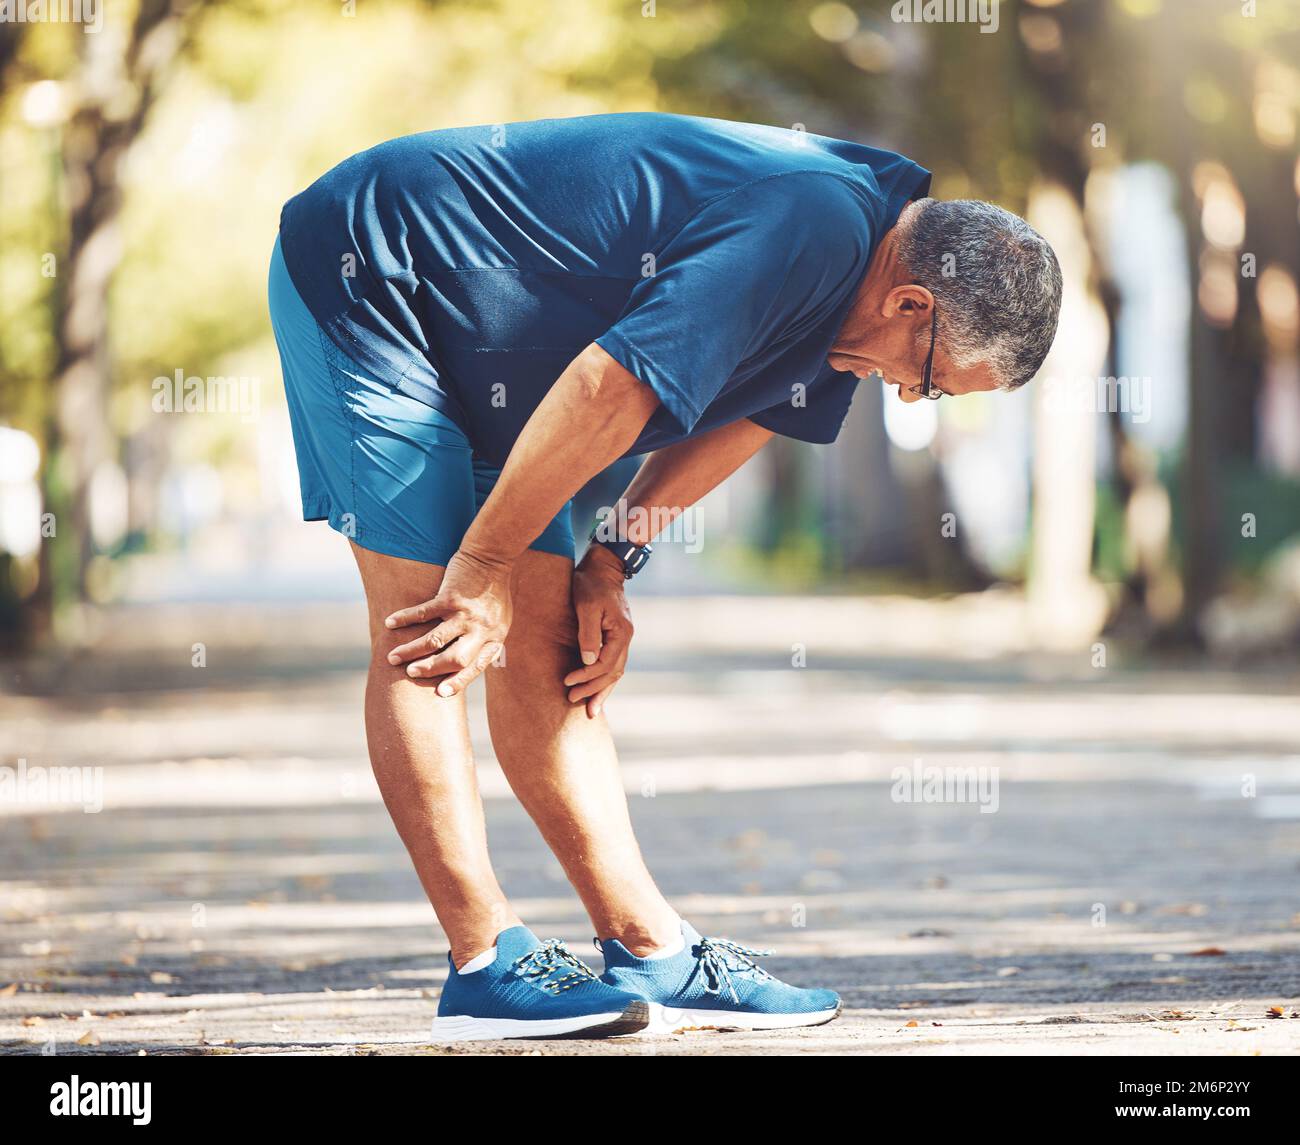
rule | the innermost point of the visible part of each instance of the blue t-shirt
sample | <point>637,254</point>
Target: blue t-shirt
<point>716,261</point>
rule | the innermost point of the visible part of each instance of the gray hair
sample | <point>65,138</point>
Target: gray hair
<point>995,280</point>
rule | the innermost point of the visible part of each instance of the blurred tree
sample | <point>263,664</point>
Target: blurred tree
<point>117,76</point>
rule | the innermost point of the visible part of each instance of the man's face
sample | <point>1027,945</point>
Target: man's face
<point>892,341</point>
<point>903,374</point>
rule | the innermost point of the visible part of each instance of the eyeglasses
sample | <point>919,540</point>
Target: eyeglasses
<point>927,389</point>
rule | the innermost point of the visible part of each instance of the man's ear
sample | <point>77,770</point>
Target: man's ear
<point>909,299</point>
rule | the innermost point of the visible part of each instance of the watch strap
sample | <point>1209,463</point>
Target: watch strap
<point>632,557</point>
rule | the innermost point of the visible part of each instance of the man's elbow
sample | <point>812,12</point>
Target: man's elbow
<point>601,377</point>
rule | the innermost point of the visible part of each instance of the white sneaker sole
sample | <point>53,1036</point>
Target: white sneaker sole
<point>464,1029</point>
<point>666,1020</point>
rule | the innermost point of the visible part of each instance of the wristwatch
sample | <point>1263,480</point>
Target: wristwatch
<point>632,557</point>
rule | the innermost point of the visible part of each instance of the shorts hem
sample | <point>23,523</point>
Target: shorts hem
<point>568,551</point>
<point>390,545</point>
<point>322,509</point>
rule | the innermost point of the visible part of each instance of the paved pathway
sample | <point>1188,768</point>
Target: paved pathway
<point>241,891</point>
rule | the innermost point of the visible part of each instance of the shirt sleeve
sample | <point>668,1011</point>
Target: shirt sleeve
<point>765,262</point>
<point>814,413</point>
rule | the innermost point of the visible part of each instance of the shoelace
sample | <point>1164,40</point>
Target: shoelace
<point>538,965</point>
<point>714,954</point>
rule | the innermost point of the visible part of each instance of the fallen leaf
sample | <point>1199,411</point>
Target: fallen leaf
<point>212,960</point>
<point>34,1020</point>
<point>9,991</point>
<point>161,978</point>
<point>89,1038</point>
<point>314,882</point>
<point>749,840</point>
<point>1209,952</point>
<point>912,1024</point>
<point>1277,1011</point>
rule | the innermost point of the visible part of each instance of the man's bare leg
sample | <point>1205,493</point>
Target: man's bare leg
<point>421,754</point>
<point>563,766</point>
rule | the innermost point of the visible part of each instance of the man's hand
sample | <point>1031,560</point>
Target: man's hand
<point>471,616</point>
<point>604,629</point>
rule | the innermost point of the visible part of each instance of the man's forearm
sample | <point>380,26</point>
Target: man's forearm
<point>590,418</point>
<point>675,478</point>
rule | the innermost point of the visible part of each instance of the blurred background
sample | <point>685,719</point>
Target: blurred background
<point>1146,485</point>
<point>1094,581</point>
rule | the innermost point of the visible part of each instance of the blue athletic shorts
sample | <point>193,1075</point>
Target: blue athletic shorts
<point>389,472</point>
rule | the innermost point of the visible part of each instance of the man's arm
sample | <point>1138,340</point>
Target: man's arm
<point>589,418</point>
<point>672,480</point>
<point>676,477</point>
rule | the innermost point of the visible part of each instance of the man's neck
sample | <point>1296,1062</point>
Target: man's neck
<point>884,272</point>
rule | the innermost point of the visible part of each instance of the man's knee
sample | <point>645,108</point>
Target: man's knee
<point>541,648</point>
<point>393,583</point>
<point>382,642</point>
<point>544,630</point>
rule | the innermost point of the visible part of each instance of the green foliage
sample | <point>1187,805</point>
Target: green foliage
<point>268,94</point>
<point>1251,501</point>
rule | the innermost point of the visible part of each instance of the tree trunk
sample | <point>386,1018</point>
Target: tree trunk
<point>121,80</point>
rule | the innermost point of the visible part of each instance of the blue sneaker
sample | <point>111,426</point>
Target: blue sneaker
<point>533,990</point>
<point>714,984</point>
